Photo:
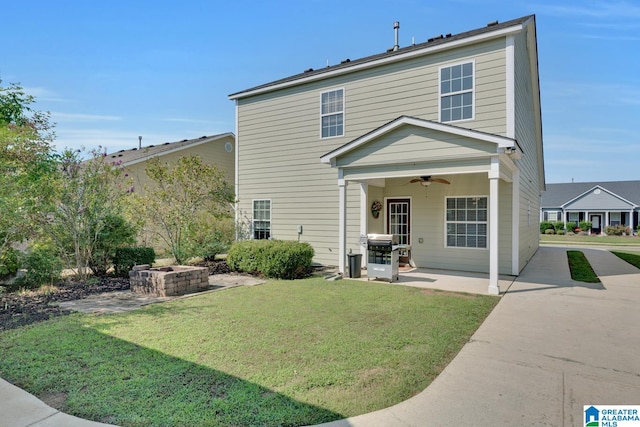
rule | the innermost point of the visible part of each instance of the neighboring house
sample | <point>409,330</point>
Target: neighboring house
<point>603,204</point>
<point>218,150</point>
<point>316,150</point>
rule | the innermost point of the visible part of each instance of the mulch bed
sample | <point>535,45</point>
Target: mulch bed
<point>20,309</point>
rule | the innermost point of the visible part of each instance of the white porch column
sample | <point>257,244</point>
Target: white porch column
<point>515,227</point>
<point>494,177</point>
<point>364,218</point>
<point>342,222</point>
<point>603,227</point>
<point>586,218</point>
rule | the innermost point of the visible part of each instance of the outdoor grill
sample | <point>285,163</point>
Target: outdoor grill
<point>382,256</point>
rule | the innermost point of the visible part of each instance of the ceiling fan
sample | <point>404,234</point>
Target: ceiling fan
<point>427,180</point>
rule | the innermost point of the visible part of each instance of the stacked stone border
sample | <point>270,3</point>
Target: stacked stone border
<point>168,281</point>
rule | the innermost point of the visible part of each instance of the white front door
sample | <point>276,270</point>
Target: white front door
<point>595,224</point>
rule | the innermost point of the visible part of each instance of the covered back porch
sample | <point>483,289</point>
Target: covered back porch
<point>450,193</point>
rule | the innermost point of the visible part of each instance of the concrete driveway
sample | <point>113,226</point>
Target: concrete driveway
<point>551,346</point>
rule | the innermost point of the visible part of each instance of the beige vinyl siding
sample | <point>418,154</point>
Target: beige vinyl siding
<point>279,144</point>
<point>431,144</point>
<point>428,222</point>
<point>529,165</point>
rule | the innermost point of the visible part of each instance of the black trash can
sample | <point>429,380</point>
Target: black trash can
<point>355,265</point>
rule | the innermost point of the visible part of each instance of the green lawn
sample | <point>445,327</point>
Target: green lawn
<point>580,267</point>
<point>284,353</point>
<point>632,258</point>
<point>570,239</point>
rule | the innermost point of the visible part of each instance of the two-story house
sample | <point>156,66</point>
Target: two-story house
<point>444,136</point>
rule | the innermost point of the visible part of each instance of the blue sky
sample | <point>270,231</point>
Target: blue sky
<point>111,71</point>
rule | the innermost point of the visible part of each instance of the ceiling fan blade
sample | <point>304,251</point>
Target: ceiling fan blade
<point>415,180</point>
<point>440,180</point>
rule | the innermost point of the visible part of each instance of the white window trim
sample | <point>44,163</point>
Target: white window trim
<point>556,213</point>
<point>344,109</point>
<point>477,222</point>
<point>473,90</point>
<point>386,214</point>
<point>253,220</point>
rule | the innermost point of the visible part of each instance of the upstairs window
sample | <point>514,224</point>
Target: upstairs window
<point>261,219</point>
<point>456,92</point>
<point>332,113</point>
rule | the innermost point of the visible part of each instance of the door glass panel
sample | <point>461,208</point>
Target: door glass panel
<point>398,220</point>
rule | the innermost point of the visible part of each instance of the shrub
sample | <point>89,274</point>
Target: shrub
<point>125,258</point>
<point>43,267</point>
<point>560,232</point>
<point>115,232</point>
<point>544,226</point>
<point>550,231</point>
<point>615,230</point>
<point>276,259</point>
<point>571,226</point>
<point>8,262</point>
<point>585,225</point>
<point>210,237</point>
<point>557,226</point>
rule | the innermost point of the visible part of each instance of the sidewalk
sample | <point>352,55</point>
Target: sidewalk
<point>551,346</point>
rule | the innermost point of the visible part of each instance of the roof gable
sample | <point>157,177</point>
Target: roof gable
<point>137,155</point>
<point>402,121</point>
<point>598,197</point>
<point>561,194</point>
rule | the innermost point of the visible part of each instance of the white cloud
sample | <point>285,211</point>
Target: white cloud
<point>594,92</point>
<point>72,117</point>
<point>43,94</point>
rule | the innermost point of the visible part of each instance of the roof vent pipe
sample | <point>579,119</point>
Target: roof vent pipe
<point>139,142</point>
<point>396,27</point>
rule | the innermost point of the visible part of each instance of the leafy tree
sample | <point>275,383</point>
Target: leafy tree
<point>177,198</point>
<point>86,223</point>
<point>27,162</point>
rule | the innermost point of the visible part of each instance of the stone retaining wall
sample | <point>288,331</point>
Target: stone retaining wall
<point>168,281</point>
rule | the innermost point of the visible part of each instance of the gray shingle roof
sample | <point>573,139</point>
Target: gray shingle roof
<point>435,41</point>
<point>559,194</point>
<point>136,155</point>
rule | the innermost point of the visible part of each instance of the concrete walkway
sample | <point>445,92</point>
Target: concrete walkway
<point>551,346</point>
